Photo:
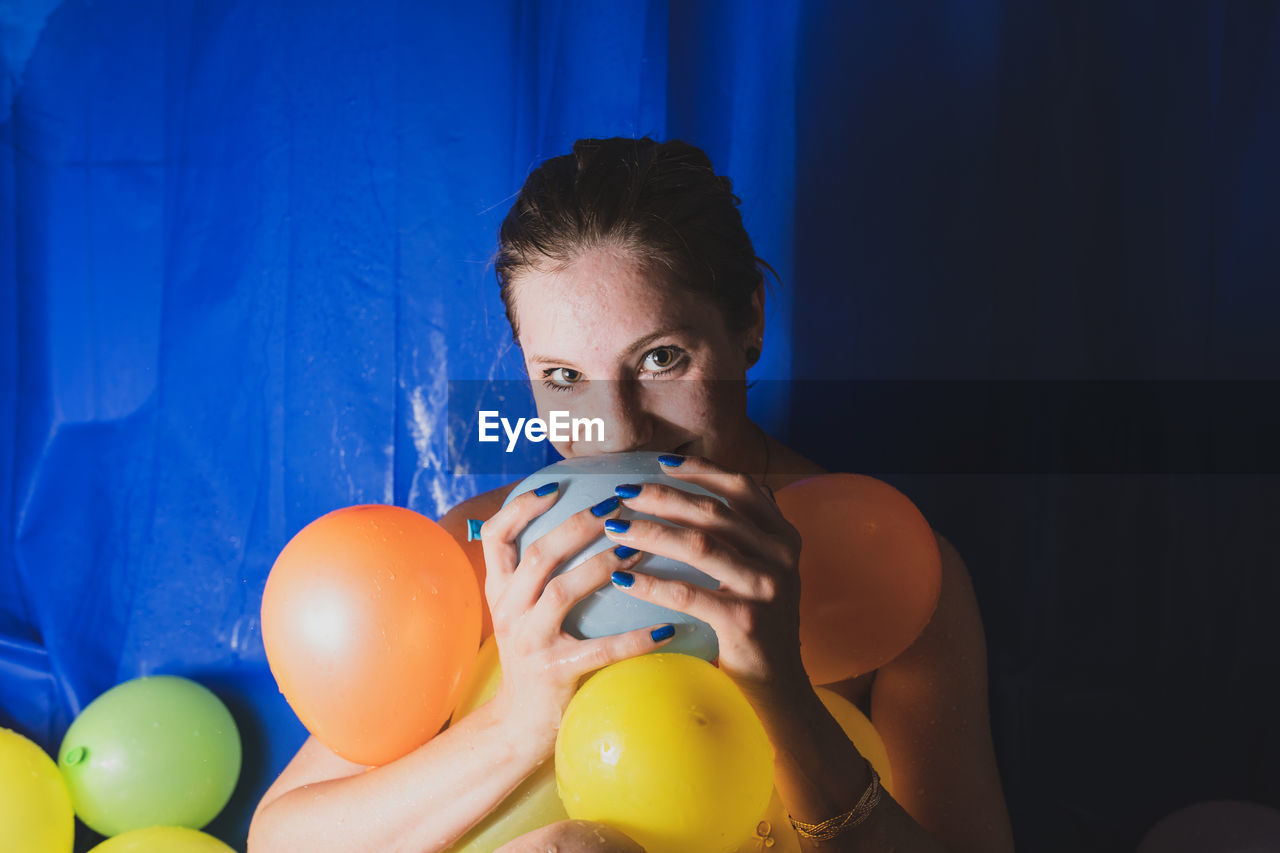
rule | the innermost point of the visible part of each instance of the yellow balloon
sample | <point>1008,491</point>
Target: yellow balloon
<point>534,803</point>
<point>35,808</point>
<point>665,748</point>
<point>774,831</point>
<point>162,839</point>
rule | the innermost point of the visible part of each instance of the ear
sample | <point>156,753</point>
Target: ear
<point>754,332</point>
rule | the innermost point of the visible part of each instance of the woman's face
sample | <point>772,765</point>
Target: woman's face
<point>605,338</point>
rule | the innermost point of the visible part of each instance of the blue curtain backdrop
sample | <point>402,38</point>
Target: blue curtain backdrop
<point>245,245</point>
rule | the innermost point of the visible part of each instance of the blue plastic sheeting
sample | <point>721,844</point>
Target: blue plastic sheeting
<point>246,245</point>
<point>251,244</point>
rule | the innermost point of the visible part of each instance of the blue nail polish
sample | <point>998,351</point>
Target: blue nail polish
<point>623,578</point>
<point>627,490</point>
<point>473,529</point>
<point>624,551</point>
<point>546,489</point>
<point>671,460</point>
<point>663,633</point>
<point>605,507</point>
<point>617,525</point>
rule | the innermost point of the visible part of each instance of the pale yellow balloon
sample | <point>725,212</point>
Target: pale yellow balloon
<point>774,831</point>
<point>535,803</point>
<point>486,675</point>
<point>162,839</point>
<point>35,808</point>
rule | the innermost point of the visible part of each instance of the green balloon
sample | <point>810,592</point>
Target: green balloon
<point>152,751</point>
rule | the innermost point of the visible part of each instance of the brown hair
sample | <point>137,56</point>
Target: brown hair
<point>660,202</point>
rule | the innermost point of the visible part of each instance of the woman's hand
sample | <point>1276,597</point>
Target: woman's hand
<point>748,546</point>
<point>541,664</point>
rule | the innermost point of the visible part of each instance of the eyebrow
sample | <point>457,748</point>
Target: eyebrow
<point>639,343</point>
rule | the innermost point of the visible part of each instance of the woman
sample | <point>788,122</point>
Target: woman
<point>635,295</point>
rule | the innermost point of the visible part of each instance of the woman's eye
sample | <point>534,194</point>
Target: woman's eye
<point>561,378</point>
<point>662,359</point>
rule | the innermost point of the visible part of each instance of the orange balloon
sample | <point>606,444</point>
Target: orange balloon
<point>371,619</point>
<point>870,573</point>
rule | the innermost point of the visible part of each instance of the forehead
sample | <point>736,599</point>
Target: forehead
<point>604,300</point>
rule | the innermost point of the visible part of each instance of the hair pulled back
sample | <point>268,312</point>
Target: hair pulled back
<point>660,202</point>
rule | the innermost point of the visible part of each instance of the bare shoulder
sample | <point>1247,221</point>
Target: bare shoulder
<point>931,707</point>
<point>787,466</point>
<point>957,603</point>
<point>479,506</point>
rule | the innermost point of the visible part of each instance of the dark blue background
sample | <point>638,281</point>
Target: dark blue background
<point>246,245</point>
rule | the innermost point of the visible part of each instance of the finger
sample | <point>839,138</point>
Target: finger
<point>553,549</point>
<point>566,590</point>
<point>706,604</point>
<point>498,534</point>
<point>591,655</point>
<point>705,512</point>
<point>742,492</point>
<point>698,548</point>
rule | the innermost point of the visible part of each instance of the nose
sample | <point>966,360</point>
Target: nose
<point>627,424</point>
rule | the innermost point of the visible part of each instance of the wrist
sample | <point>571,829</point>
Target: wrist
<point>529,728</point>
<point>777,700</point>
<point>817,769</point>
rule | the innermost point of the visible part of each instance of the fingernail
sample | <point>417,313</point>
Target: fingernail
<point>473,529</point>
<point>605,507</point>
<point>671,460</point>
<point>623,578</point>
<point>666,632</point>
<point>624,551</point>
<point>617,525</point>
<point>546,489</point>
<point>627,490</point>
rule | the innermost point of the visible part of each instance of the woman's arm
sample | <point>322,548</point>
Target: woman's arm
<point>421,802</point>
<point>930,707</point>
<point>427,799</point>
<point>932,700</point>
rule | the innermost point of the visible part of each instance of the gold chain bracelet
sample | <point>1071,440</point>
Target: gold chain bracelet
<point>829,829</point>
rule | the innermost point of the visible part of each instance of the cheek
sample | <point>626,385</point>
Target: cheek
<point>585,404</point>
<point>688,404</point>
<point>548,401</point>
